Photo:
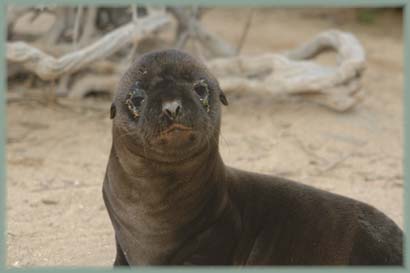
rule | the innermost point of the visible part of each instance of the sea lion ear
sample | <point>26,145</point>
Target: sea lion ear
<point>113,111</point>
<point>223,99</point>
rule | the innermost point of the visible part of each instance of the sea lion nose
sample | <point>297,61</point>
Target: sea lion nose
<point>171,108</point>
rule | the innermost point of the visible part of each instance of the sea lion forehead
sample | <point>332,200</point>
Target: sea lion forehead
<point>167,56</point>
<point>170,62</point>
<point>165,66</point>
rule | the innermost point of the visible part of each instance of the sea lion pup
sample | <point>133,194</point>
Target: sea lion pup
<point>172,201</point>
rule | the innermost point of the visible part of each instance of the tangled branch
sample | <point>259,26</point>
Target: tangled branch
<point>49,68</point>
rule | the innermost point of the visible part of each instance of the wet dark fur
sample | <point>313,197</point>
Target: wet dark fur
<point>172,201</point>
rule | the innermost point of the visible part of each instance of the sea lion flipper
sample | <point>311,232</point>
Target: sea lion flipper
<point>120,259</point>
<point>113,111</point>
<point>223,98</point>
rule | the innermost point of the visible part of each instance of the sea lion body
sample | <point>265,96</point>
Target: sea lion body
<point>172,201</point>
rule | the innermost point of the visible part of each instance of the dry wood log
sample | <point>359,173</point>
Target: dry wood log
<point>89,25</point>
<point>336,87</point>
<point>15,12</point>
<point>190,27</point>
<point>98,83</point>
<point>48,67</point>
<point>60,25</point>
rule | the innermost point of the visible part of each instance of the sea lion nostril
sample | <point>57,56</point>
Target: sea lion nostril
<point>171,108</point>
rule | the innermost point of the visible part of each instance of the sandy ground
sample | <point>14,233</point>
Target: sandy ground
<point>57,155</point>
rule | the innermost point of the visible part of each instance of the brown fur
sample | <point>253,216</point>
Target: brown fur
<point>172,201</point>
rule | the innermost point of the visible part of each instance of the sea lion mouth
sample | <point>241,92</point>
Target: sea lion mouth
<point>175,135</point>
<point>176,127</point>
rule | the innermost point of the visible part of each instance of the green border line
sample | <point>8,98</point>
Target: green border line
<point>212,269</point>
<point>207,269</point>
<point>406,124</point>
<point>284,3</point>
<point>274,3</point>
<point>3,192</point>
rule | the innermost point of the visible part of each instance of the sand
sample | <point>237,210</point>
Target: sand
<point>56,155</point>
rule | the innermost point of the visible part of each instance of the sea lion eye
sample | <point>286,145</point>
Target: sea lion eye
<point>201,89</point>
<point>135,99</point>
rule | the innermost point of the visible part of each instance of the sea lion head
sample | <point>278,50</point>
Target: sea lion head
<point>167,107</point>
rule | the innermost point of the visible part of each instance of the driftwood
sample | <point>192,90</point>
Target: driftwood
<point>291,73</point>
<point>57,29</point>
<point>89,25</point>
<point>49,68</point>
<point>13,13</point>
<point>97,83</point>
<point>336,87</point>
<point>189,27</point>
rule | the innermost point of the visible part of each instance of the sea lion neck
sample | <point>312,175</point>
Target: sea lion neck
<point>166,202</point>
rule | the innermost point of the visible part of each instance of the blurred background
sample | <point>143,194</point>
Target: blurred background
<point>62,78</point>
